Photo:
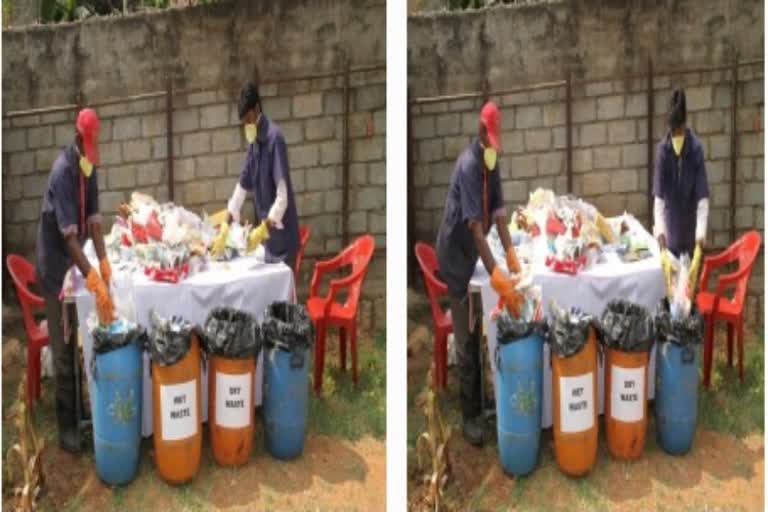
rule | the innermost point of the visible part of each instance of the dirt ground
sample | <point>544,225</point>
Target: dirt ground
<point>337,471</point>
<point>332,474</point>
<point>724,470</point>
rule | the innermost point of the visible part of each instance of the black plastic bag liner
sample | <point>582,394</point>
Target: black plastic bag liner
<point>684,332</point>
<point>627,327</point>
<point>231,333</point>
<point>510,329</point>
<point>288,327</point>
<point>116,335</point>
<point>169,340</point>
<point>568,331</point>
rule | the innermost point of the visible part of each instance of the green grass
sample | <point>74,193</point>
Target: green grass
<point>350,412</point>
<point>730,406</point>
<point>188,500</point>
<point>118,498</point>
<point>518,490</point>
<point>478,496</point>
<point>76,505</point>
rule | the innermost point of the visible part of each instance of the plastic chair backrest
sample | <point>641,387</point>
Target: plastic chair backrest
<point>358,256</point>
<point>746,250</point>
<point>23,274</point>
<point>427,258</point>
<point>304,232</point>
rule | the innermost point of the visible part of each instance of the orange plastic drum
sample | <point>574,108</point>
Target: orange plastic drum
<point>177,416</point>
<point>574,404</point>
<point>230,409</point>
<point>626,392</point>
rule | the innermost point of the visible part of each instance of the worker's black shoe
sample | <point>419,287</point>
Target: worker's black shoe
<point>473,430</point>
<point>69,441</point>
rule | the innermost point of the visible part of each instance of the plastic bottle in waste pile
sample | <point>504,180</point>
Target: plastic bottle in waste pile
<point>233,342</point>
<point>116,400</point>
<point>573,348</point>
<point>677,378</point>
<point>288,335</point>
<point>627,334</point>
<point>176,393</point>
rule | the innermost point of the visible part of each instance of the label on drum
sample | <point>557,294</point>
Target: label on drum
<point>233,397</point>
<point>178,406</point>
<point>627,393</point>
<point>577,408</point>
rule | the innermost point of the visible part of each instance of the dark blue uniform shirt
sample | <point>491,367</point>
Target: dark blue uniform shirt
<point>456,251</point>
<point>681,183</point>
<point>265,165</point>
<point>62,214</point>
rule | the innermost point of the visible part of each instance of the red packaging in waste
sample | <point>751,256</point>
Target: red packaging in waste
<point>568,266</point>
<point>139,233</point>
<point>168,275</point>
<point>554,225</point>
<point>154,229</point>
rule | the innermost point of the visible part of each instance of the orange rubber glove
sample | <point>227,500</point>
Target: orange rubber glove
<point>505,287</point>
<point>106,271</point>
<point>513,264</point>
<point>105,310</point>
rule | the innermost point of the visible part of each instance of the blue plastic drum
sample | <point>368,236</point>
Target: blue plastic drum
<point>286,401</point>
<point>518,403</point>
<point>677,396</point>
<point>116,406</point>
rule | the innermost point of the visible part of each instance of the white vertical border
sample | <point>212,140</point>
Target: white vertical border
<point>397,221</point>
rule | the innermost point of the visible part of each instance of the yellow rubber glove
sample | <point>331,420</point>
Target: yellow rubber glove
<point>513,264</point>
<point>505,287</point>
<point>220,242</point>
<point>693,273</point>
<point>258,236</point>
<point>666,267</point>
<point>105,310</point>
<point>106,271</point>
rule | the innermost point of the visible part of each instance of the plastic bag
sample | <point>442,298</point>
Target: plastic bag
<point>627,327</point>
<point>116,335</point>
<point>288,327</point>
<point>568,330</point>
<point>681,302</point>
<point>682,332</point>
<point>510,329</point>
<point>229,332</point>
<point>122,296</point>
<point>169,340</point>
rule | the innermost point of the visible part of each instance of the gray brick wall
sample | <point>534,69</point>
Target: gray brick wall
<point>609,137</point>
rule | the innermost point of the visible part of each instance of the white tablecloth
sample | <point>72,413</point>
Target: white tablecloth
<point>247,284</point>
<point>641,282</point>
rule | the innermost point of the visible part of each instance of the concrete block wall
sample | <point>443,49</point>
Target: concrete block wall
<point>609,135</point>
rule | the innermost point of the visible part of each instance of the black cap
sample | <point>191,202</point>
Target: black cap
<point>249,98</point>
<point>677,109</point>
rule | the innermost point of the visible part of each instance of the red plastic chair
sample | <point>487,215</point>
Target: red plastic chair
<point>304,232</point>
<point>442,321</point>
<point>326,311</point>
<point>23,274</point>
<point>717,306</point>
